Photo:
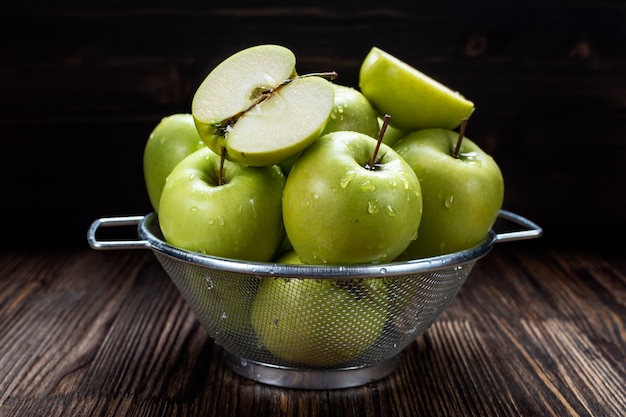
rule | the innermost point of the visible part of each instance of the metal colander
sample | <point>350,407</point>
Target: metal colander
<point>309,326</point>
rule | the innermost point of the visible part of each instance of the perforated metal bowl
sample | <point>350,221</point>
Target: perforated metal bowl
<point>349,337</point>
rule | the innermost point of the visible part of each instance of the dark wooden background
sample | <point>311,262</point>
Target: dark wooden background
<point>83,83</point>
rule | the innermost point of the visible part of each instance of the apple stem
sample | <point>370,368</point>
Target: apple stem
<point>372,164</point>
<point>220,177</point>
<point>457,148</point>
<point>329,75</point>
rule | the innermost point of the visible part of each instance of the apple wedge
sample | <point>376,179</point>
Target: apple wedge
<point>413,99</point>
<point>255,106</point>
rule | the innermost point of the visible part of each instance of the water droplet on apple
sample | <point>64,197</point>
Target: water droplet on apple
<point>211,221</point>
<point>470,158</point>
<point>220,220</point>
<point>194,209</point>
<point>253,207</point>
<point>347,179</point>
<point>390,211</point>
<point>367,186</point>
<point>319,259</point>
<point>448,201</point>
<point>372,207</point>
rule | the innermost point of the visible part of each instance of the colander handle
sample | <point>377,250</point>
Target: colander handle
<point>115,244</point>
<point>531,231</point>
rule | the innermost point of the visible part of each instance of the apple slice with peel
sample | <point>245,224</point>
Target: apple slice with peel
<point>255,106</point>
<point>413,99</point>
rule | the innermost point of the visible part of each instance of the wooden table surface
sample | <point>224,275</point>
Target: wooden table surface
<point>535,331</point>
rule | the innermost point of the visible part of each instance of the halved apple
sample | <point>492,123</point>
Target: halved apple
<point>256,107</point>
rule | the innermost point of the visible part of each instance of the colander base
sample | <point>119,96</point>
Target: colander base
<point>299,378</point>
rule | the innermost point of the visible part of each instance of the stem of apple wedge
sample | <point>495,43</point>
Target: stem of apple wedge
<point>372,164</point>
<point>457,148</point>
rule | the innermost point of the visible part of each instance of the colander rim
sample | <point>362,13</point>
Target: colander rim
<point>154,239</point>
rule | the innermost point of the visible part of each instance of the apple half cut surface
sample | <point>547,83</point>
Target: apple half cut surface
<point>255,106</point>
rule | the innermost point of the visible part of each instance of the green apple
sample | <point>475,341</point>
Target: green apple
<point>286,164</point>
<point>413,99</point>
<point>352,111</point>
<point>170,142</point>
<point>255,106</point>
<point>232,213</point>
<point>288,256</point>
<point>462,194</point>
<point>339,208</point>
<point>319,323</point>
